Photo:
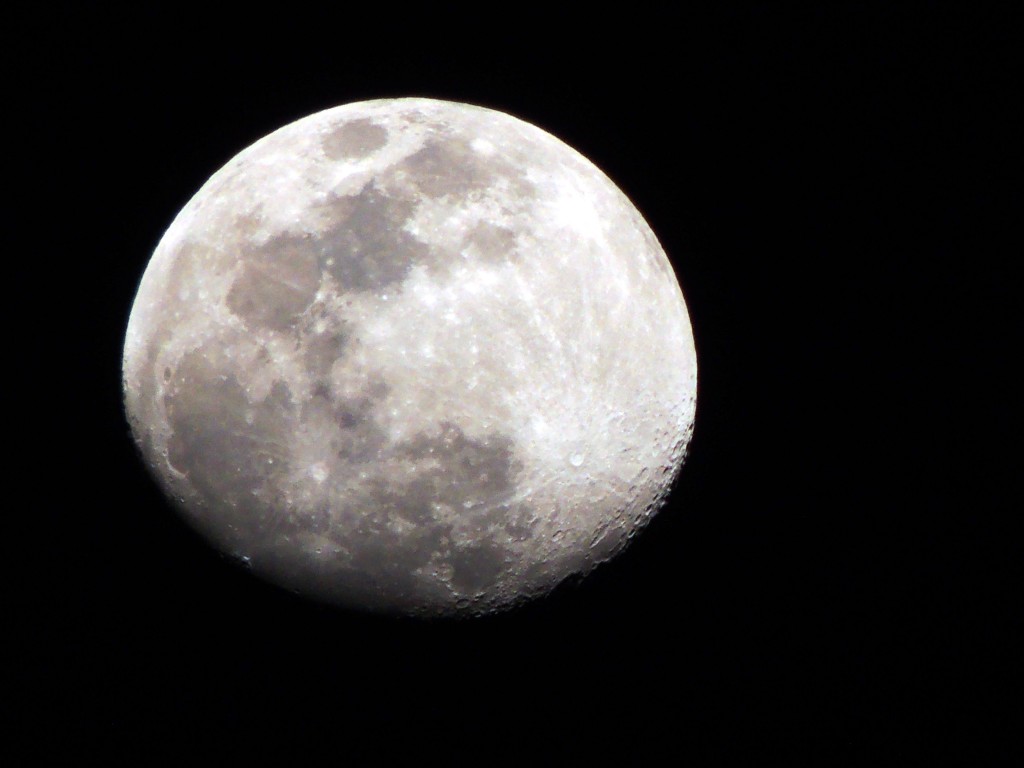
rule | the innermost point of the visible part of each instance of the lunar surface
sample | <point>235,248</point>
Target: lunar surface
<point>412,357</point>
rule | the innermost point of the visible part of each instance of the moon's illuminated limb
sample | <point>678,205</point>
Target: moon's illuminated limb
<point>412,356</point>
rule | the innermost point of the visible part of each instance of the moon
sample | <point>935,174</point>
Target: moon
<point>412,357</point>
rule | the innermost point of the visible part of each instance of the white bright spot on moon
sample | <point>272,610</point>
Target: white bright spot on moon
<point>483,146</point>
<point>414,357</point>
<point>574,209</point>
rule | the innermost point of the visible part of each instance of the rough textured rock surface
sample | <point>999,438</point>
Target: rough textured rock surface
<point>412,356</point>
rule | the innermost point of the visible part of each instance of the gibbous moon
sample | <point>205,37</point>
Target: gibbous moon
<point>412,357</point>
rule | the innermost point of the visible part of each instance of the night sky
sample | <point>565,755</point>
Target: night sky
<point>833,577</point>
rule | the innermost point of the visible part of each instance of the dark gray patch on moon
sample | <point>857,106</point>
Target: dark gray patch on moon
<point>365,247</point>
<point>433,168</point>
<point>225,444</point>
<point>471,480</point>
<point>458,482</point>
<point>478,469</point>
<point>450,166</point>
<point>279,280</point>
<point>491,242</point>
<point>354,139</point>
<point>477,566</point>
<point>358,439</point>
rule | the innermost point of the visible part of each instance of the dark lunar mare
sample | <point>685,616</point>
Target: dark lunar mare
<point>400,527</point>
<point>228,446</point>
<point>234,454</point>
<point>354,139</point>
<point>364,246</point>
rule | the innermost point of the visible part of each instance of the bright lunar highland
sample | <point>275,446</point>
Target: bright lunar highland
<point>413,357</point>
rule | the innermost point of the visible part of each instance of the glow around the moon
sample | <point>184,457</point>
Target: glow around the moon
<point>412,356</point>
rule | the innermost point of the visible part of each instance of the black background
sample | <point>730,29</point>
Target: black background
<point>832,579</point>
